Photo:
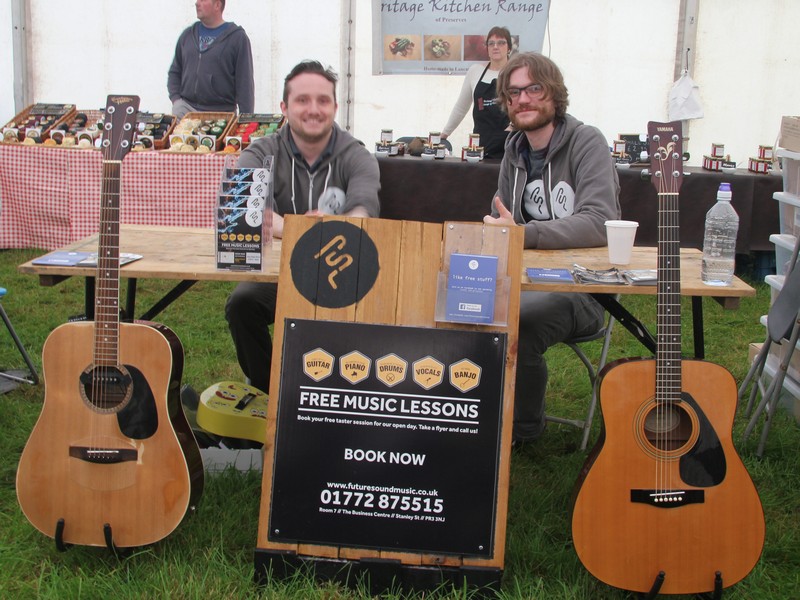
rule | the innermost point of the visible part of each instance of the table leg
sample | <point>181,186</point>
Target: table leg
<point>697,327</point>
<point>88,295</point>
<point>130,300</point>
<point>628,321</point>
<point>168,299</point>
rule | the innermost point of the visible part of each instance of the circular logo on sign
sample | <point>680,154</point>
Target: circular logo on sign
<point>334,264</point>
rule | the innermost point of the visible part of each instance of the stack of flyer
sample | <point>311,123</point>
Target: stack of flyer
<point>244,218</point>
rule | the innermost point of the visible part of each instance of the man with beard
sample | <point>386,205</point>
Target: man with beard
<point>557,180</point>
<point>317,168</point>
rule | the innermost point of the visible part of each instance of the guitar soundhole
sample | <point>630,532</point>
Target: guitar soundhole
<point>668,428</point>
<point>106,389</point>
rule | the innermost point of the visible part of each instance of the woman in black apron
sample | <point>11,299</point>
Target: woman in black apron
<point>489,120</point>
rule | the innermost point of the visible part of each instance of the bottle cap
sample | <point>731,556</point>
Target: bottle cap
<point>724,187</point>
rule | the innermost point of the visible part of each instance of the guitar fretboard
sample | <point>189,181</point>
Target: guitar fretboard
<point>106,347</point>
<point>668,344</point>
<point>667,173</point>
<point>119,120</point>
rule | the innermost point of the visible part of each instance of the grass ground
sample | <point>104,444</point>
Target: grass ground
<point>210,555</point>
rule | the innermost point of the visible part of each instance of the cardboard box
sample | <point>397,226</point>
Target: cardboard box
<point>790,133</point>
<point>777,352</point>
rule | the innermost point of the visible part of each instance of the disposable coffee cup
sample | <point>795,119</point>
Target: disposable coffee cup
<point>620,241</point>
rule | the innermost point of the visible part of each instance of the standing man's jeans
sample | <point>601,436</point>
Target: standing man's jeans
<point>180,107</point>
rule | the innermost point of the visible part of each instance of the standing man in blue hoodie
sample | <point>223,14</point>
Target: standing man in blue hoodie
<point>213,66</point>
<point>318,168</point>
<point>558,181</point>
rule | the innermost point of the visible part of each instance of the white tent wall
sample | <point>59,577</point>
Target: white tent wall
<point>591,42</point>
<point>748,69</point>
<point>6,62</point>
<point>618,58</point>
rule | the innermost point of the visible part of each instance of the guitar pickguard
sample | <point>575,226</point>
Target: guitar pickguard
<point>139,419</point>
<point>125,391</point>
<point>704,465</point>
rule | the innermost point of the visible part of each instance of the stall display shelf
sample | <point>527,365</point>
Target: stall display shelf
<point>784,246</point>
<point>788,212</point>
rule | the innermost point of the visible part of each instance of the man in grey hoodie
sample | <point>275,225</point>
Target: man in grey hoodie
<point>557,180</point>
<point>318,168</point>
<point>212,70</point>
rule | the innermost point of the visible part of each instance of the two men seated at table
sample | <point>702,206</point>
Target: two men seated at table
<point>557,179</point>
<point>316,165</point>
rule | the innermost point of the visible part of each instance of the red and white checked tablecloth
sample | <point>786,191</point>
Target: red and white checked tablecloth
<point>161,188</point>
<point>50,197</point>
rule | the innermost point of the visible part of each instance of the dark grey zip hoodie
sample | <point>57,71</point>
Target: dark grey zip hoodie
<point>350,168</point>
<point>580,187</point>
<point>217,79</point>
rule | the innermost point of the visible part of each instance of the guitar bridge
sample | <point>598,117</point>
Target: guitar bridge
<point>103,456</point>
<point>668,498</point>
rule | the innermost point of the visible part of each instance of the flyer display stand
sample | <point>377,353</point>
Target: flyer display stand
<point>388,440</point>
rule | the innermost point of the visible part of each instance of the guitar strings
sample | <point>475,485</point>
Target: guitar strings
<point>668,364</point>
<point>106,347</point>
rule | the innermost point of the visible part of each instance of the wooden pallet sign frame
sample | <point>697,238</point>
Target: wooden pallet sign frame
<point>389,424</point>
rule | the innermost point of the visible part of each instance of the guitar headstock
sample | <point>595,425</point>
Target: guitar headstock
<point>666,155</point>
<point>119,124</point>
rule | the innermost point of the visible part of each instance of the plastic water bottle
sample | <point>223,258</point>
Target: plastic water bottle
<point>719,243</point>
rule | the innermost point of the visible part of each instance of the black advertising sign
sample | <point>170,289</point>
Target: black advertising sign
<point>388,437</point>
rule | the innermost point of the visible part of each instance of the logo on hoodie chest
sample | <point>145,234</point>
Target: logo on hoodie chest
<point>562,200</point>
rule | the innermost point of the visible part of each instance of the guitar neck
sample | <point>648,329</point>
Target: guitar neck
<point>107,281</point>
<point>119,120</point>
<point>666,164</point>
<point>668,321</point>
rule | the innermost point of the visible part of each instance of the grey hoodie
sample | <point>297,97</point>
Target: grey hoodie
<point>217,79</point>
<point>350,169</point>
<point>579,191</point>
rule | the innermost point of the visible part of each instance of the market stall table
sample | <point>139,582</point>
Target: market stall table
<point>187,255</point>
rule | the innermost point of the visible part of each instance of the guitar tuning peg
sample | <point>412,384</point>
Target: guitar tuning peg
<point>645,175</point>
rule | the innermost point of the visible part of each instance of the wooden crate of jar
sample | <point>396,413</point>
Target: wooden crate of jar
<point>153,130</point>
<point>251,126</point>
<point>40,117</point>
<point>82,124</point>
<point>190,127</point>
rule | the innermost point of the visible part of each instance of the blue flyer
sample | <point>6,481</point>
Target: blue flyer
<point>550,275</point>
<point>471,287</point>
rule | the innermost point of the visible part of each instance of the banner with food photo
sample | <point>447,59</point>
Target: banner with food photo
<point>445,37</point>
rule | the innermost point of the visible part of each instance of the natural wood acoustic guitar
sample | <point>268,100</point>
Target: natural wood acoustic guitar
<point>111,460</point>
<point>664,503</point>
